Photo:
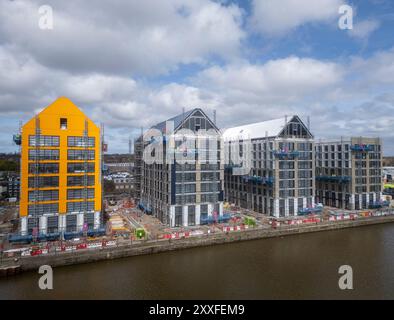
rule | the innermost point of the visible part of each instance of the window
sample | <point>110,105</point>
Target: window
<point>73,194</point>
<point>185,188</point>
<point>191,198</point>
<point>212,176</point>
<point>286,174</point>
<point>81,141</point>
<point>43,154</point>
<point>80,154</point>
<point>43,168</point>
<point>210,197</point>
<point>80,206</point>
<point>78,181</point>
<point>209,187</point>
<point>178,216</point>
<point>63,123</point>
<point>52,224</point>
<point>43,182</point>
<point>71,223</point>
<point>187,176</point>
<point>191,215</point>
<point>44,195</point>
<point>44,141</point>
<point>185,167</point>
<point>208,167</point>
<point>79,167</point>
<point>40,209</point>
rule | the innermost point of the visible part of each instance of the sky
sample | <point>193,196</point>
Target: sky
<point>130,64</point>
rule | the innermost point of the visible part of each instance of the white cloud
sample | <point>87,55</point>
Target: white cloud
<point>274,17</point>
<point>363,29</point>
<point>288,79</point>
<point>95,52</point>
<point>128,37</point>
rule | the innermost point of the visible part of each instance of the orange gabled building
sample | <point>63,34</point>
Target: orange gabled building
<point>60,171</point>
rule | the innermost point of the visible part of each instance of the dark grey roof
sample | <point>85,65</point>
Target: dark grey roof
<point>179,119</point>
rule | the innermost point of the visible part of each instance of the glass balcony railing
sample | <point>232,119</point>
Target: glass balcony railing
<point>286,154</point>
<point>340,179</point>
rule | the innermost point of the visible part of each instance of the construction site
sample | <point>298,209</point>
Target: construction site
<point>63,209</point>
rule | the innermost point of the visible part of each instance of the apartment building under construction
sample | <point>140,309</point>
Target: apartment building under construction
<point>60,172</point>
<point>281,179</point>
<point>179,192</point>
<point>349,172</point>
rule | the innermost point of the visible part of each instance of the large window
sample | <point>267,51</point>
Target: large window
<point>43,182</point>
<point>207,167</point>
<point>185,188</point>
<point>52,224</point>
<point>80,206</point>
<point>203,211</point>
<point>44,141</point>
<point>44,195</point>
<point>210,197</point>
<point>80,154</point>
<point>47,154</point>
<point>43,168</point>
<point>40,209</point>
<point>73,194</point>
<point>178,216</point>
<point>210,176</point>
<point>187,176</point>
<point>191,215</point>
<point>71,223</point>
<point>190,198</point>
<point>78,181</point>
<point>80,167</point>
<point>89,219</point>
<point>209,187</point>
<point>80,141</point>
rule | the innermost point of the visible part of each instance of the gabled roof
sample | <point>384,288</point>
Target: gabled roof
<point>269,128</point>
<point>177,120</point>
<point>257,130</point>
<point>181,118</point>
<point>62,106</point>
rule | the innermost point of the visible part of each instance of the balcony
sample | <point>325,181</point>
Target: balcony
<point>286,154</point>
<point>229,167</point>
<point>339,179</point>
<point>314,210</point>
<point>379,204</point>
<point>269,181</point>
<point>361,147</point>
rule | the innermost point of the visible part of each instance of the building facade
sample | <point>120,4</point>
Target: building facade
<point>14,186</point>
<point>184,188</point>
<point>60,171</point>
<point>281,179</point>
<point>349,172</point>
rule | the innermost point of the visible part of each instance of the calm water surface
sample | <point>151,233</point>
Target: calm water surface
<point>293,267</point>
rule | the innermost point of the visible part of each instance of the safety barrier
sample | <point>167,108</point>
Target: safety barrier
<point>69,248</point>
<point>235,228</point>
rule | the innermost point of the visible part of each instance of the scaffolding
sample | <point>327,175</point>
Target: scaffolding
<point>36,172</point>
<point>86,169</point>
